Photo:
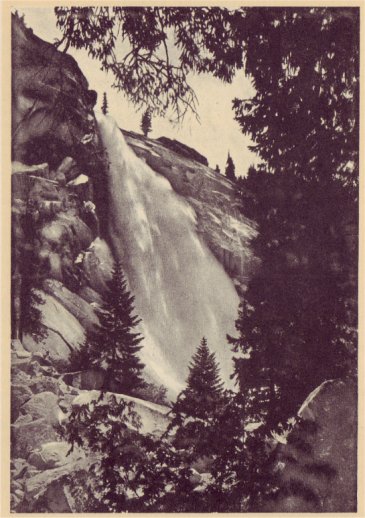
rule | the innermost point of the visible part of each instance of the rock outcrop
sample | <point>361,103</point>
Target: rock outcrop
<point>316,465</point>
<point>42,469</point>
<point>52,105</point>
<point>58,167</point>
<point>219,219</point>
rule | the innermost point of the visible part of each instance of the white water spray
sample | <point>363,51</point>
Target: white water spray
<point>182,293</point>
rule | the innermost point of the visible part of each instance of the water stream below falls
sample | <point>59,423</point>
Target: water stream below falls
<point>181,291</point>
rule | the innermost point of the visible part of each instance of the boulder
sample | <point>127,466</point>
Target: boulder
<point>20,394</point>
<point>65,333</point>
<point>53,455</point>
<point>19,376</point>
<point>19,350</point>
<point>23,419</point>
<point>91,296</point>
<point>50,490</point>
<point>35,170</point>
<point>153,418</point>
<point>67,170</point>
<point>54,345</point>
<point>90,379</point>
<point>28,436</point>
<point>45,384</point>
<point>317,467</point>
<point>77,306</point>
<point>43,406</point>
<point>97,265</point>
<point>183,150</point>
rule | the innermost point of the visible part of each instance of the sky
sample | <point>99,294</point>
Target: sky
<point>215,135</point>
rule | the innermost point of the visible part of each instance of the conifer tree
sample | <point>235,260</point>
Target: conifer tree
<point>230,169</point>
<point>113,348</point>
<point>146,122</point>
<point>104,107</point>
<point>217,169</point>
<point>198,404</point>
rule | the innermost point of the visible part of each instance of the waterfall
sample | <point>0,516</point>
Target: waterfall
<point>182,293</point>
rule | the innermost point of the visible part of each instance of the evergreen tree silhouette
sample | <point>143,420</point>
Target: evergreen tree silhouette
<point>104,107</point>
<point>113,348</point>
<point>146,123</point>
<point>217,169</point>
<point>198,405</point>
<point>230,169</point>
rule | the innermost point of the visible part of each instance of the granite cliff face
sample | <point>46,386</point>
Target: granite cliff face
<point>58,164</point>
<point>219,220</point>
<point>61,199</point>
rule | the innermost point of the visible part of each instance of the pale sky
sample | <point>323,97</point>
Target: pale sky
<point>215,135</point>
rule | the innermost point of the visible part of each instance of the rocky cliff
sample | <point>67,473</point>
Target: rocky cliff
<point>60,190</point>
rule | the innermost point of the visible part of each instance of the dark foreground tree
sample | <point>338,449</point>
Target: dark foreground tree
<point>128,471</point>
<point>299,312</point>
<point>204,391</point>
<point>197,406</point>
<point>211,431</point>
<point>217,169</point>
<point>114,346</point>
<point>104,107</point>
<point>230,169</point>
<point>107,429</point>
<point>146,123</point>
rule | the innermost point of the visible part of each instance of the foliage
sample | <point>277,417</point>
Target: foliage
<point>200,400</point>
<point>217,169</point>
<point>146,123</point>
<point>303,63</point>
<point>104,107</point>
<point>134,44</point>
<point>108,430</point>
<point>230,169</point>
<point>113,347</point>
<point>299,312</point>
<point>128,471</point>
<point>304,66</point>
<point>241,474</point>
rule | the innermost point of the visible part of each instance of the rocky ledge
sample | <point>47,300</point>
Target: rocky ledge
<point>220,221</point>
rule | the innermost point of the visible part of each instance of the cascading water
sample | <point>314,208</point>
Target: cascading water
<point>182,293</point>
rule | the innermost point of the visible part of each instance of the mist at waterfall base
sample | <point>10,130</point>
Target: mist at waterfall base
<point>182,292</point>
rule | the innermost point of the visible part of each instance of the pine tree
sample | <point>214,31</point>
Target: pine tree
<point>204,389</point>
<point>198,404</point>
<point>104,107</point>
<point>230,169</point>
<point>217,169</point>
<point>113,348</point>
<point>146,122</point>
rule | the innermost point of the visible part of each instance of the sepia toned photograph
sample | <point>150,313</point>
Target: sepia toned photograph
<point>184,259</point>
